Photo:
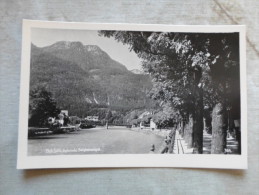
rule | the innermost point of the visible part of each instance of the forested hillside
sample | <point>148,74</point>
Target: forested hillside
<point>86,81</point>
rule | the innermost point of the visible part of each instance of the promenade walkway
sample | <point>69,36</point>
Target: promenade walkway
<point>180,146</point>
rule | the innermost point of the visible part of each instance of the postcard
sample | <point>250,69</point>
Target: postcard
<point>132,95</point>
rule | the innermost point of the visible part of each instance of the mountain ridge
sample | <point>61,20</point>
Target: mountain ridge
<point>73,50</point>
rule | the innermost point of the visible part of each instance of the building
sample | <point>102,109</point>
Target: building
<point>92,118</point>
<point>153,125</point>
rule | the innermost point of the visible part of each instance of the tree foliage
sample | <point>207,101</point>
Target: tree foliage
<point>41,106</point>
<point>178,61</point>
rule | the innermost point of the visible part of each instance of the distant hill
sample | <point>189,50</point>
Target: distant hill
<point>86,81</point>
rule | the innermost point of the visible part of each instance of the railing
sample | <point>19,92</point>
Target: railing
<point>169,143</point>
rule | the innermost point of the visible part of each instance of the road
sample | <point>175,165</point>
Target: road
<point>115,140</point>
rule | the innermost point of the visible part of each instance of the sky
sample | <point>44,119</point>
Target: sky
<point>42,37</point>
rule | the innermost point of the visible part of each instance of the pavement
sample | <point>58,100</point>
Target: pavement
<point>232,144</point>
<point>180,146</point>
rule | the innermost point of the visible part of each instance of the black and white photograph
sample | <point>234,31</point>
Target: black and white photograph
<point>117,95</point>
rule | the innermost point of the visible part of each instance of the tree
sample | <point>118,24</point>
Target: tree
<point>169,59</point>
<point>189,71</point>
<point>167,117</point>
<point>41,106</point>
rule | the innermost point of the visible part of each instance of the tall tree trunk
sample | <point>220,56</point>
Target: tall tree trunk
<point>197,112</point>
<point>198,123</point>
<point>219,129</point>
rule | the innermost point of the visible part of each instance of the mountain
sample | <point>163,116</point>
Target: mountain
<point>86,56</point>
<point>86,81</point>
